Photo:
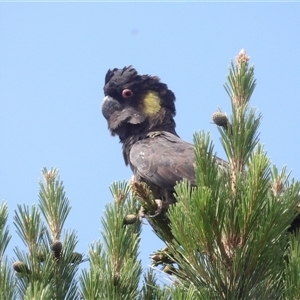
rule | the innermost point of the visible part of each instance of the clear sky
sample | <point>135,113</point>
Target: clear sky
<point>53,59</point>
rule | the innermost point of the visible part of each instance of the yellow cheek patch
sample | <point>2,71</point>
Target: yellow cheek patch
<point>151,103</point>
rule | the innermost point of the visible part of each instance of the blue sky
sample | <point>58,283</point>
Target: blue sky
<point>54,57</point>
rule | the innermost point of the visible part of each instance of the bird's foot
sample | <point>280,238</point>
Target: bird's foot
<point>159,208</point>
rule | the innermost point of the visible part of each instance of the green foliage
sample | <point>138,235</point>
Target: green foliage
<point>7,284</point>
<point>47,270</point>
<point>235,243</point>
<point>151,289</point>
<point>292,269</point>
<point>114,263</point>
<point>4,233</point>
<point>53,204</point>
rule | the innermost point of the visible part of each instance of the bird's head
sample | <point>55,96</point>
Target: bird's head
<point>137,104</point>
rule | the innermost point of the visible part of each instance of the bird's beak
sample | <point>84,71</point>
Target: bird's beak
<point>109,106</point>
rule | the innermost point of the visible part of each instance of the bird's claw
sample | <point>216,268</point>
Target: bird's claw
<point>159,208</point>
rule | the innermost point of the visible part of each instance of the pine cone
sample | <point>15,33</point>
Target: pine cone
<point>220,119</point>
<point>56,247</point>
<point>21,267</point>
<point>130,219</point>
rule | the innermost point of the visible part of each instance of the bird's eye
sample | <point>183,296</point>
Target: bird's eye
<point>127,93</point>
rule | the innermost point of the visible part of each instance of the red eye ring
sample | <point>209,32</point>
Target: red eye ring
<point>127,93</point>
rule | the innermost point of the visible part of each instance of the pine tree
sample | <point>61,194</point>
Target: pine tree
<point>227,238</point>
<point>48,268</point>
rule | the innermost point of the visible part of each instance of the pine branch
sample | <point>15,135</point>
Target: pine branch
<point>292,262</point>
<point>7,282</point>
<point>115,269</point>
<point>49,266</point>
<point>151,290</point>
<point>4,232</point>
<point>54,205</point>
<point>160,223</point>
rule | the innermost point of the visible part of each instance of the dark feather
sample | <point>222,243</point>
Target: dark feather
<point>161,160</point>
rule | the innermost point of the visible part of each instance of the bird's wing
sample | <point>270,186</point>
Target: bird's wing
<point>163,159</point>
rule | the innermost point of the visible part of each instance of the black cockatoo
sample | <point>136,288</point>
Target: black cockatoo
<point>140,109</point>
